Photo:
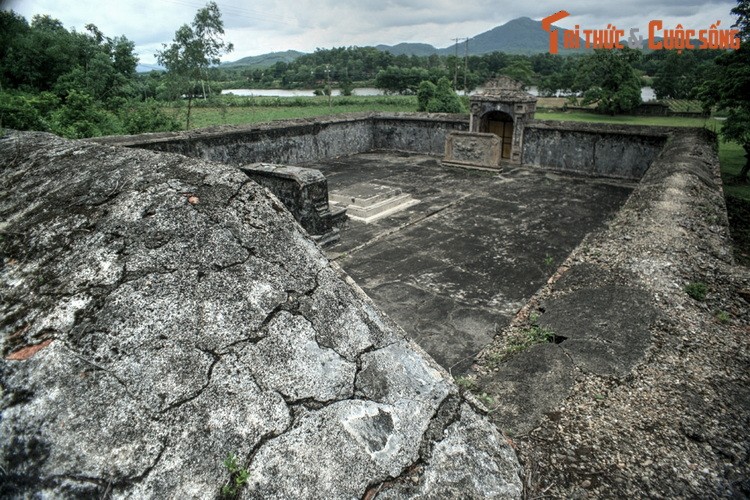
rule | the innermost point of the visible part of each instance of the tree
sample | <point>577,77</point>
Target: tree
<point>728,89</point>
<point>519,70</point>
<point>608,79</point>
<point>674,78</point>
<point>194,49</point>
<point>440,98</point>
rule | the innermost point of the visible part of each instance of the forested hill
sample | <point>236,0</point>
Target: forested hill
<point>266,60</point>
<point>519,36</point>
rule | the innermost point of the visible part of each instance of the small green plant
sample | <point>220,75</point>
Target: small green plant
<point>529,336</point>
<point>486,399</point>
<point>549,261</point>
<point>697,290</point>
<point>536,334</point>
<point>466,383</point>
<point>238,477</point>
<point>723,317</point>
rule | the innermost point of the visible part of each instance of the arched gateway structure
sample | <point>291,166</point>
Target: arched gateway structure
<point>503,109</point>
<point>498,116</point>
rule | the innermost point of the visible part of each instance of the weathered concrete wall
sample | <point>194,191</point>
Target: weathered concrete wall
<point>160,313</point>
<point>287,142</point>
<point>416,132</point>
<point>620,151</point>
<point>600,150</point>
<point>304,140</point>
<point>303,191</point>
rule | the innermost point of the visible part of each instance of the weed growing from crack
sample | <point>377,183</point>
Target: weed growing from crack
<point>549,262</point>
<point>238,477</point>
<point>697,290</point>
<point>466,383</point>
<point>723,317</point>
<point>486,399</point>
<point>528,337</point>
<point>531,335</point>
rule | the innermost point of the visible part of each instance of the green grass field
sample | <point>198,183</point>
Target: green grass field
<point>246,110</point>
<point>663,121</point>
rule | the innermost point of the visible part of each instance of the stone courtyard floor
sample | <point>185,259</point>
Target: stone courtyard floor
<point>453,269</point>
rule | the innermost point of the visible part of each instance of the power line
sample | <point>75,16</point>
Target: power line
<point>455,64</point>
<point>243,12</point>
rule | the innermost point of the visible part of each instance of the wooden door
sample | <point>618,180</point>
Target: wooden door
<point>504,130</point>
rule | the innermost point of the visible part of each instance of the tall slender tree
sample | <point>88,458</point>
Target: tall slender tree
<point>729,88</point>
<point>194,49</point>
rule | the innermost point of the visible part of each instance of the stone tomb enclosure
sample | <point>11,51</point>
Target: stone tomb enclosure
<point>161,313</point>
<point>454,268</point>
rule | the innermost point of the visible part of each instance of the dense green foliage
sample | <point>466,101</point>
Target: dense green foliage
<point>678,76</point>
<point>728,88</point>
<point>608,79</point>
<point>73,84</point>
<point>440,98</point>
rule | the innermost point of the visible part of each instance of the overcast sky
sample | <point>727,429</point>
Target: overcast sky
<point>261,26</point>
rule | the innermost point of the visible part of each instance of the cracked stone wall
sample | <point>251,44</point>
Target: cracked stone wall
<point>305,140</point>
<point>416,132</point>
<point>593,149</point>
<point>286,142</point>
<point>160,313</point>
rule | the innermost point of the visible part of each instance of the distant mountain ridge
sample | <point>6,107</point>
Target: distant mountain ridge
<point>266,60</point>
<point>409,49</point>
<point>518,36</point>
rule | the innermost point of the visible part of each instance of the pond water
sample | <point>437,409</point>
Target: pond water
<point>647,93</point>
<point>295,92</point>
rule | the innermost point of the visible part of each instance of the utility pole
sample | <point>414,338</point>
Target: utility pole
<point>466,64</point>
<point>455,64</point>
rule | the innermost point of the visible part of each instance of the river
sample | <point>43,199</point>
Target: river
<point>647,93</point>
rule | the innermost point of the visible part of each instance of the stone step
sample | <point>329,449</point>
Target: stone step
<point>373,207</point>
<point>363,195</point>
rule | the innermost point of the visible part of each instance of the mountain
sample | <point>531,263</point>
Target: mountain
<point>519,36</point>
<point>265,60</point>
<point>147,68</point>
<point>410,49</point>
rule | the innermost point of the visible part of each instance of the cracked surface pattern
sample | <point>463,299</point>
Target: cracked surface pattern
<point>160,313</point>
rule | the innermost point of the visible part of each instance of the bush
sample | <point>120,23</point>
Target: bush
<point>27,112</point>
<point>147,117</point>
<point>440,98</point>
<point>697,290</point>
<point>425,92</point>
<point>81,116</point>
